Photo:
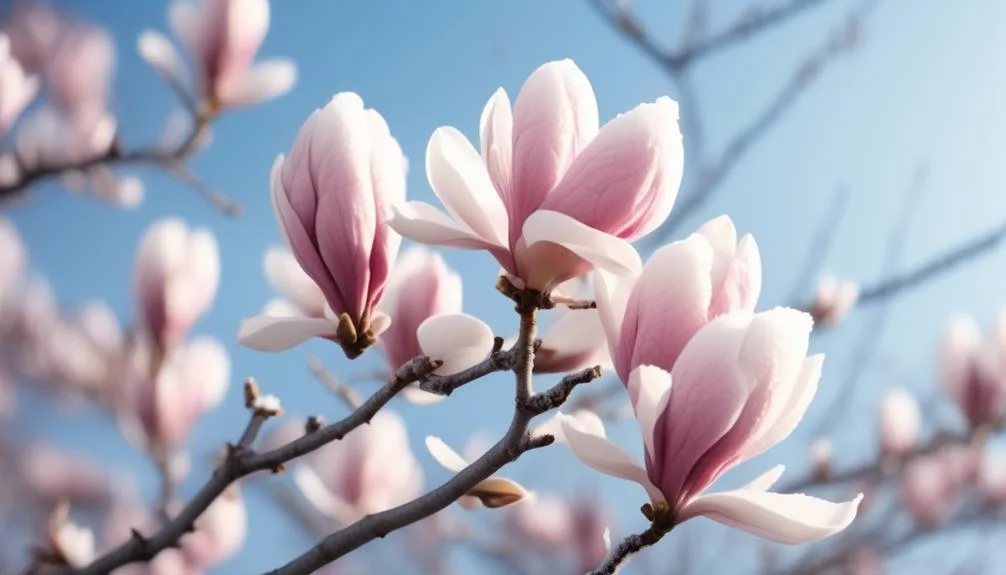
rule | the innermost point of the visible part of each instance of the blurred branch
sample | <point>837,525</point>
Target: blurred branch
<point>512,445</point>
<point>345,393</point>
<point>820,243</point>
<point>170,160</point>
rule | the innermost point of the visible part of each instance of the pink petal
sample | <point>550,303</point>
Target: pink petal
<point>263,333</point>
<point>263,81</point>
<point>423,223</point>
<point>652,387</point>
<point>783,518</point>
<point>598,452</point>
<point>158,51</point>
<point>554,118</point>
<point>496,134</point>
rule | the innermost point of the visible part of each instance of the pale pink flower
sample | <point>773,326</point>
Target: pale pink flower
<point>53,475</point>
<point>13,260</point>
<point>370,470</point>
<point>865,562</point>
<point>740,386</point>
<point>833,300</point>
<point>576,338</point>
<point>191,381</point>
<point>34,29</point>
<point>220,531</point>
<point>492,492</point>
<point>331,197</point>
<point>684,285</point>
<point>175,279</point>
<point>899,422</point>
<point>49,135</point>
<point>928,489</point>
<point>542,521</point>
<point>551,195</point>
<point>992,477</point>
<point>17,89</point>
<point>591,534</point>
<point>222,37</point>
<point>972,370</point>
<point>79,68</point>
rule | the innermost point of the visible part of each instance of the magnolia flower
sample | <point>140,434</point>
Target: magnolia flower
<point>331,200</point>
<point>833,300</point>
<point>49,135</point>
<point>175,279</point>
<point>740,386</point>
<point>493,492</point>
<point>972,371</point>
<point>12,260</point>
<point>899,422</point>
<point>591,535</point>
<point>684,285</point>
<point>222,38</point>
<point>219,532</point>
<point>992,477</point>
<point>370,470</point>
<point>34,30</point>
<point>542,521</point>
<point>79,69</point>
<point>575,339</point>
<point>927,489</point>
<point>192,380</point>
<point>551,195</point>
<point>17,89</point>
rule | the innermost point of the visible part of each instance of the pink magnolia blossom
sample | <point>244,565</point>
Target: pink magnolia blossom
<point>543,522</point>
<point>219,532</point>
<point>833,300</point>
<point>369,470</point>
<point>17,89</point>
<point>13,261</point>
<point>575,339</point>
<point>992,476</point>
<point>740,386</point>
<point>492,492</point>
<point>192,380</point>
<point>684,285</point>
<point>928,489</point>
<point>79,69</point>
<point>551,195</point>
<point>222,37</point>
<point>591,534</point>
<point>34,30</point>
<point>899,422</point>
<point>331,197</point>
<point>175,279</point>
<point>50,135</point>
<point>973,371</point>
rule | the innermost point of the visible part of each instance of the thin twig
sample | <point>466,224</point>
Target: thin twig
<point>345,393</point>
<point>628,547</point>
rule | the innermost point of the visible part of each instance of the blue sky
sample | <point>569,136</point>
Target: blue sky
<point>926,84</point>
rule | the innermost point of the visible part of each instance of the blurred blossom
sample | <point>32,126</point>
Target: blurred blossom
<point>575,339</point>
<point>899,422</point>
<point>175,279</point>
<point>865,562</point>
<point>492,492</point>
<point>542,521</point>
<point>992,479</point>
<point>591,535</point>
<point>331,197</point>
<point>52,475</point>
<point>741,385</point>
<point>833,300</point>
<point>17,90</point>
<point>820,458</point>
<point>160,412</point>
<point>49,135</point>
<point>684,285</point>
<point>420,286</point>
<point>12,261</point>
<point>370,470</point>
<point>972,370</point>
<point>34,29</point>
<point>458,340</point>
<point>219,532</point>
<point>551,195</point>
<point>928,490</point>
<point>79,70</point>
<point>222,38</point>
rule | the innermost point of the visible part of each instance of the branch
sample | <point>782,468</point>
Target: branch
<point>171,161</point>
<point>345,393</point>
<point>512,445</point>
<point>628,547</point>
<point>242,461</point>
<point>497,361</point>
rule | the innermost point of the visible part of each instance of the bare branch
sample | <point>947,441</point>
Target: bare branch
<point>559,393</point>
<point>630,546</point>
<point>345,393</point>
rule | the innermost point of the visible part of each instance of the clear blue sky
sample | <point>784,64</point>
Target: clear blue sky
<point>926,84</point>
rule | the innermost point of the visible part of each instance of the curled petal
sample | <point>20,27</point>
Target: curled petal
<point>458,340</point>
<point>444,455</point>
<point>263,333</point>
<point>423,223</point>
<point>783,518</point>
<point>652,387</point>
<point>263,81</point>
<point>158,51</point>
<point>599,249</point>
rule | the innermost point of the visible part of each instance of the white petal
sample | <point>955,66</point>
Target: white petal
<point>585,420</point>
<point>285,275</point>
<point>460,179</point>
<point>611,292</point>
<point>279,307</point>
<point>185,18</point>
<point>263,333</point>
<point>444,455</point>
<point>457,339</point>
<point>598,452</point>
<point>653,391</point>
<point>421,222</point>
<point>602,250</point>
<point>263,81</point>
<point>160,53</point>
<point>416,396</point>
<point>780,517</point>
